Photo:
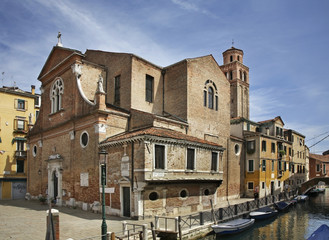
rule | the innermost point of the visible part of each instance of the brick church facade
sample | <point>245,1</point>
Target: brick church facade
<point>166,131</point>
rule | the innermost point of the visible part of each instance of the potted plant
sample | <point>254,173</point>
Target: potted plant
<point>282,152</point>
<point>42,199</point>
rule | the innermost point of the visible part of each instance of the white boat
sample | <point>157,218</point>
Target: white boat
<point>234,226</point>
<point>263,213</point>
<point>301,198</point>
<point>321,233</point>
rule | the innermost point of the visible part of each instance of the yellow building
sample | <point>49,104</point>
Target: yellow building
<point>298,158</point>
<point>267,157</point>
<point>18,111</point>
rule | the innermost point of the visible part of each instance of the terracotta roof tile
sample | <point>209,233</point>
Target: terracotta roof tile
<point>322,158</point>
<point>158,132</point>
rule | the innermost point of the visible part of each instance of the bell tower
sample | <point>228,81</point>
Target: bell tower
<point>238,76</point>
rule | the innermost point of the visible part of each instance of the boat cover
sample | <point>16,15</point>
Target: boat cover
<point>322,233</point>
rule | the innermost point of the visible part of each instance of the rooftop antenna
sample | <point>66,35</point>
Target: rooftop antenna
<point>59,43</point>
<point>232,42</point>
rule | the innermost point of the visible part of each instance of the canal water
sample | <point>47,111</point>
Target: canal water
<point>299,223</point>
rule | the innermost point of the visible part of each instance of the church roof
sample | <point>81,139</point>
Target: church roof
<point>53,61</point>
<point>232,49</point>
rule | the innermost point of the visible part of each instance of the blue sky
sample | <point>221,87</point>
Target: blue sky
<point>285,45</point>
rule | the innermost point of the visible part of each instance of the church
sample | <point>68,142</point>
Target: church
<point>166,132</point>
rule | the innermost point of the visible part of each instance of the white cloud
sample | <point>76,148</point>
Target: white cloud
<point>263,103</point>
<point>189,6</point>
<point>314,134</point>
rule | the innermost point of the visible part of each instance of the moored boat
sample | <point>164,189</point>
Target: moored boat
<point>301,198</point>
<point>322,233</point>
<point>263,213</point>
<point>233,226</point>
<point>282,206</point>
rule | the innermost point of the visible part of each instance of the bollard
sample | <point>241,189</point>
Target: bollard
<point>201,218</point>
<point>54,221</point>
<point>145,231</point>
<point>156,220</point>
<point>124,227</point>
<point>220,213</point>
<point>112,235</point>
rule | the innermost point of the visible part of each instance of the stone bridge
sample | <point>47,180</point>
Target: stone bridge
<point>312,182</point>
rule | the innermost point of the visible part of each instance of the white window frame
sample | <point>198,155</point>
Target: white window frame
<point>253,165</point>
<point>252,185</point>
<point>324,168</point>
<point>82,145</point>
<point>34,150</point>
<point>237,153</point>
<point>194,160</point>
<point>187,194</point>
<point>20,145</point>
<point>21,104</point>
<point>215,96</point>
<point>56,91</point>
<point>217,167</point>
<point>19,123</point>
<point>165,157</point>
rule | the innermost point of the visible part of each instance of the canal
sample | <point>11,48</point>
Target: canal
<point>299,223</point>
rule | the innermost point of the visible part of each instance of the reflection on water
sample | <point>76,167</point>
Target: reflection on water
<point>299,223</point>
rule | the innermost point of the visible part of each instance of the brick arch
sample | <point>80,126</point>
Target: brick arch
<point>312,182</point>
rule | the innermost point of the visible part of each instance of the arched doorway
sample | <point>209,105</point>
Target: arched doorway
<point>55,182</point>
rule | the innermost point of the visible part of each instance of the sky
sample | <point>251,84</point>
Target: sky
<point>285,44</point>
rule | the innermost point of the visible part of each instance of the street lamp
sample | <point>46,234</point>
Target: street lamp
<point>102,161</point>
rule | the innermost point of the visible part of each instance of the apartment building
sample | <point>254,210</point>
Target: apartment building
<point>18,112</point>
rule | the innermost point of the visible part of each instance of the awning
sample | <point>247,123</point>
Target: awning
<point>18,139</point>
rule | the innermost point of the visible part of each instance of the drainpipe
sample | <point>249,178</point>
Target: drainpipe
<point>132,167</point>
<point>227,160</point>
<point>163,72</point>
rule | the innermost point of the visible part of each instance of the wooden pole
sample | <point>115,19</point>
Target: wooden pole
<point>212,212</point>
<point>153,231</point>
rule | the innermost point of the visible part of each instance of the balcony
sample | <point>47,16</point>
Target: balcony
<point>21,154</point>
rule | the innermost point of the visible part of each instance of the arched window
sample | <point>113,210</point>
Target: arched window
<point>231,58</point>
<point>56,93</point>
<point>210,98</point>
<point>241,77</point>
<point>244,76</point>
<point>210,95</point>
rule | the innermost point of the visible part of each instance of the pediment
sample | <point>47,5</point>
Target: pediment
<point>56,56</point>
<point>279,121</point>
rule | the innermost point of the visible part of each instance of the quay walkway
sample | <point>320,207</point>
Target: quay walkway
<point>26,219</point>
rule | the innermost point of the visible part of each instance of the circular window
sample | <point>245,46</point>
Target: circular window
<point>153,196</point>
<point>84,139</point>
<point>183,194</point>
<point>206,192</point>
<point>34,150</point>
<point>237,149</point>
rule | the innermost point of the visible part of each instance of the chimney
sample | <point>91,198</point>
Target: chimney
<point>33,89</point>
